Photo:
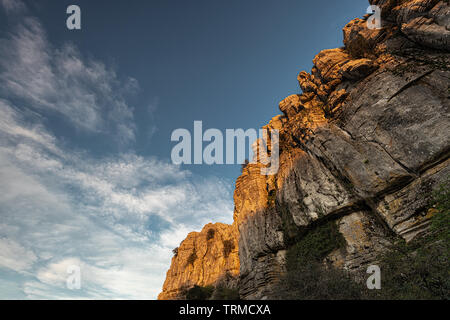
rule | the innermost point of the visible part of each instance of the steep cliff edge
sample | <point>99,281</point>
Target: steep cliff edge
<point>362,146</point>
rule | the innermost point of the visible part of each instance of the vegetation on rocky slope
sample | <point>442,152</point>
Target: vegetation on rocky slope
<point>419,269</point>
<point>307,277</point>
<point>212,293</point>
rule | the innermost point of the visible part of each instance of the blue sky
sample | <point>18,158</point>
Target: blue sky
<point>86,119</point>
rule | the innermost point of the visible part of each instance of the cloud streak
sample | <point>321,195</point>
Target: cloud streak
<point>52,80</point>
<point>15,257</point>
<point>13,6</point>
<point>117,217</point>
<point>59,206</point>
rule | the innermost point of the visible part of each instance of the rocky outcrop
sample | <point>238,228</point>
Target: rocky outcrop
<point>426,22</point>
<point>209,257</point>
<point>362,145</point>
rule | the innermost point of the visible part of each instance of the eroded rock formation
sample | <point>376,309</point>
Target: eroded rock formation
<point>203,258</point>
<point>363,145</point>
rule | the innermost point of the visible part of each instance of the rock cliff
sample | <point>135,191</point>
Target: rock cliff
<point>203,258</point>
<point>362,145</point>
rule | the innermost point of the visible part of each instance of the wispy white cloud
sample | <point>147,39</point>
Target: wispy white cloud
<point>12,6</point>
<point>15,257</point>
<point>117,217</point>
<point>60,206</point>
<point>85,92</point>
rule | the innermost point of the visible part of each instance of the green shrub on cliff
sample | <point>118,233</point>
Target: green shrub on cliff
<point>228,247</point>
<point>416,270</point>
<point>210,234</point>
<point>315,245</point>
<point>199,293</point>
<point>224,293</point>
<point>313,281</point>
<point>307,277</point>
<point>420,269</point>
<point>212,293</point>
<point>441,204</point>
<point>192,257</point>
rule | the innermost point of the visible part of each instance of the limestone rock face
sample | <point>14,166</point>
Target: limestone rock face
<point>364,238</point>
<point>363,144</point>
<point>204,258</point>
